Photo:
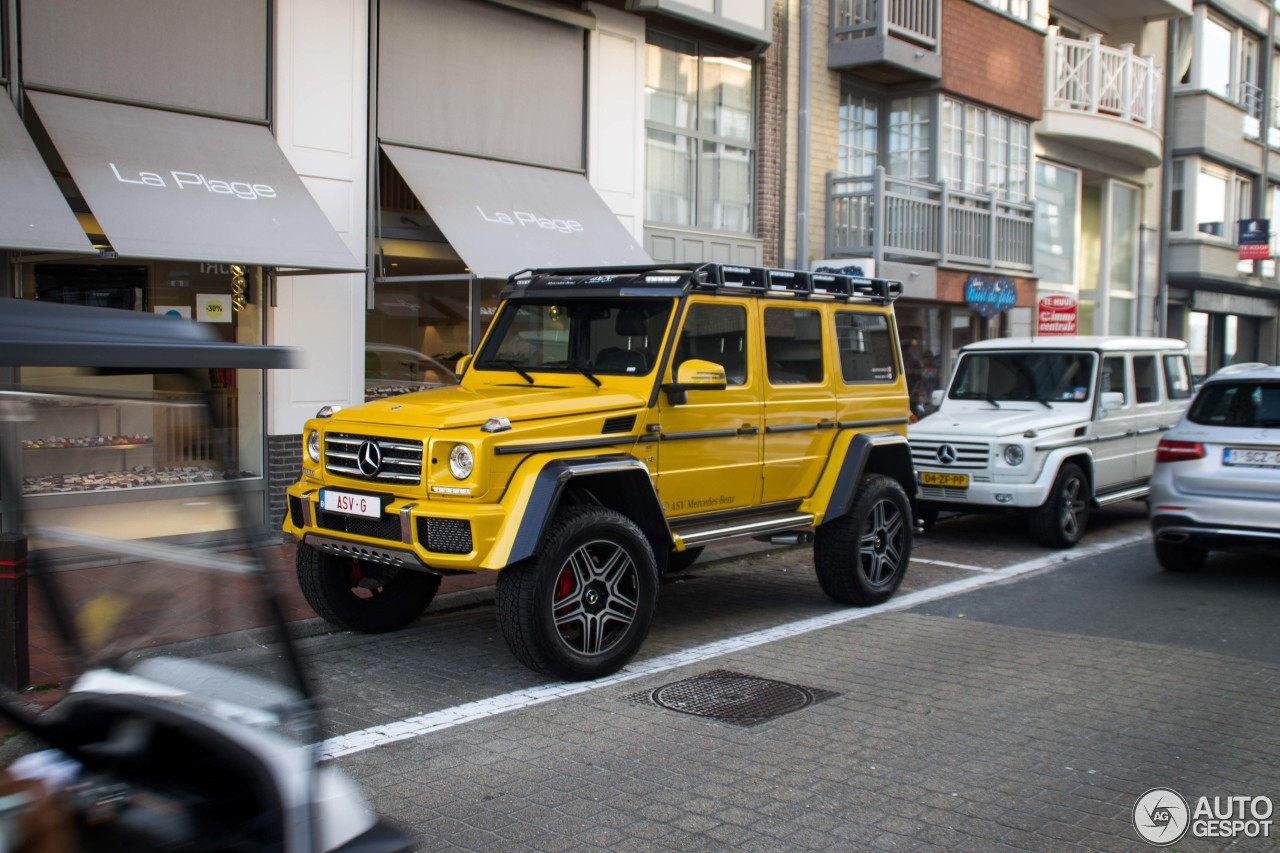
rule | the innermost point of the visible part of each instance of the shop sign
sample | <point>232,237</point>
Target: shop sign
<point>1056,315</point>
<point>1255,239</point>
<point>989,296</point>
<point>213,307</point>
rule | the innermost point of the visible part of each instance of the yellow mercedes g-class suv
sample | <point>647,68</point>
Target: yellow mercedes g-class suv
<point>612,423</point>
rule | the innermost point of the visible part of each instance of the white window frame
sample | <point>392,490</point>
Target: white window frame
<point>854,106</point>
<point>1239,191</point>
<point>978,143</point>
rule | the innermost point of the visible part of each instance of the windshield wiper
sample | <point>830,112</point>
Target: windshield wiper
<point>990,398</point>
<point>575,366</point>
<point>502,362</point>
<point>1042,401</point>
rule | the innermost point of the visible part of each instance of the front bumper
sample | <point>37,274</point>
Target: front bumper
<point>982,493</point>
<point>436,536</point>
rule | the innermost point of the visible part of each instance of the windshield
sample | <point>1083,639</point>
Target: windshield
<point>1044,377</point>
<point>601,336</point>
<point>1237,404</point>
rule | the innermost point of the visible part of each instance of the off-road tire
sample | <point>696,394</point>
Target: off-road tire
<point>861,558</point>
<point>580,608</point>
<point>1061,520</point>
<point>1180,556</point>
<point>329,585</point>
<point>678,561</point>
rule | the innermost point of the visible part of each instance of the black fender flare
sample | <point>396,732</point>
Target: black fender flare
<point>630,492</point>
<point>885,453</point>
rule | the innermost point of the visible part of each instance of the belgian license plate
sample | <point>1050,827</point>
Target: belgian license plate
<point>350,503</point>
<point>1253,458</point>
<point>938,478</point>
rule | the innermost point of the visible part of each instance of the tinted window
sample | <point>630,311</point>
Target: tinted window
<point>715,333</point>
<point>1177,377</point>
<point>1237,404</point>
<point>1041,376</point>
<point>793,345</point>
<point>1146,379</point>
<point>866,347</point>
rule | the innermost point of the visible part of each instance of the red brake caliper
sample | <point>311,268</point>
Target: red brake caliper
<point>564,584</point>
<point>354,573</point>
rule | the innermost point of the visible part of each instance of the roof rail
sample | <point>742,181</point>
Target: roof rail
<point>727,278</point>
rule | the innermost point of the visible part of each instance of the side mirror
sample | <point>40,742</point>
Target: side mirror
<point>1112,401</point>
<point>462,365</point>
<point>695,375</point>
<point>936,397</point>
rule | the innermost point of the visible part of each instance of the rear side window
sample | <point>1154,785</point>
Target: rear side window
<point>1146,379</point>
<point>1177,377</point>
<point>793,345</point>
<point>866,347</point>
<point>1245,404</point>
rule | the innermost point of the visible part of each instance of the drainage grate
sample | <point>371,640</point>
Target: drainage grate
<point>731,697</point>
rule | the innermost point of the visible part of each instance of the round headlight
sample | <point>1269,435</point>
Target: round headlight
<point>1014,454</point>
<point>461,461</point>
<point>313,446</point>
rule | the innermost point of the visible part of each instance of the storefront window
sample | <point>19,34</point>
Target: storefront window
<point>99,446</point>
<point>699,132</point>
<point>920,333</point>
<point>414,335</point>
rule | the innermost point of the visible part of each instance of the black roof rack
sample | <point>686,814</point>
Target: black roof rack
<point>665,279</point>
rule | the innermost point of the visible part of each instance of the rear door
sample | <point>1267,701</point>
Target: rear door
<point>1151,412</point>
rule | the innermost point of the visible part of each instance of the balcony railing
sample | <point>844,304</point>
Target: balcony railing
<point>913,20</point>
<point>925,222</point>
<point>1106,81</point>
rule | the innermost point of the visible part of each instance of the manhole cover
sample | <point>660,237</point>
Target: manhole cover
<point>731,697</point>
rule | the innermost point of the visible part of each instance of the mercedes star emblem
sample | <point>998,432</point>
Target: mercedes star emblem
<point>369,459</point>
<point>946,454</point>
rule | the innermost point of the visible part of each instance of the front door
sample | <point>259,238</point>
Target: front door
<point>1114,433</point>
<point>709,445</point>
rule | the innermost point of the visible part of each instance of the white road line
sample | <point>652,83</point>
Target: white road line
<point>446,718</point>
<point>964,566</point>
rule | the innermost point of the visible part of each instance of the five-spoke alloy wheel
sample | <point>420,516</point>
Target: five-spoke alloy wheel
<point>582,606</point>
<point>1061,520</point>
<point>861,557</point>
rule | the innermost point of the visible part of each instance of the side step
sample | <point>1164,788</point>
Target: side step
<point>1125,495</point>
<point>757,527</point>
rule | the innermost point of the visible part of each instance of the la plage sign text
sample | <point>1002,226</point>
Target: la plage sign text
<point>185,180</point>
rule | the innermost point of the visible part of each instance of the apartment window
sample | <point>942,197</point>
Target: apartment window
<point>1214,56</point>
<point>1020,9</point>
<point>985,151</point>
<point>1213,200</point>
<point>1177,194</point>
<point>859,142</point>
<point>909,138</point>
<point>1057,222</point>
<point>699,147</point>
<point>1226,60</point>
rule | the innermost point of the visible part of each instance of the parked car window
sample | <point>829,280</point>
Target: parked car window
<point>1146,379</point>
<point>866,347</point>
<point>1114,376</point>
<point>607,336</point>
<point>715,333</point>
<point>793,345</point>
<point>1041,376</point>
<point>1177,377</point>
<point>1237,404</point>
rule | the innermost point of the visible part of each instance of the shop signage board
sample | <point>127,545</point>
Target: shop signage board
<point>1255,239</point>
<point>988,297</point>
<point>1056,315</point>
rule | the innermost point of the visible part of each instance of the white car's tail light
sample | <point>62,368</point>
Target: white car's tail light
<point>1177,451</point>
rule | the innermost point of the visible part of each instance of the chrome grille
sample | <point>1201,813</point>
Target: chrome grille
<point>948,492</point>
<point>401,458</point>
<point>969,455</point>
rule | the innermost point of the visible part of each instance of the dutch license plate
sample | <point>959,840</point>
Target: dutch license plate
<point>349,503</point>
<point>1252,458</point>
<point>938,478</point>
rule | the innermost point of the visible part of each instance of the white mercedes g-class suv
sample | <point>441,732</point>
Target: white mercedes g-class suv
<point>1054,425</point>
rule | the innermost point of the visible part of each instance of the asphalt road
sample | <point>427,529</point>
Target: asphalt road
<point>1229,608</point>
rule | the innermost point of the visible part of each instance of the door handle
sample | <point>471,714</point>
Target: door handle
<point>748,429</point>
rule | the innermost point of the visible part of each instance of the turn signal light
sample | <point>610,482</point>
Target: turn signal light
<point>1176,451</point>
